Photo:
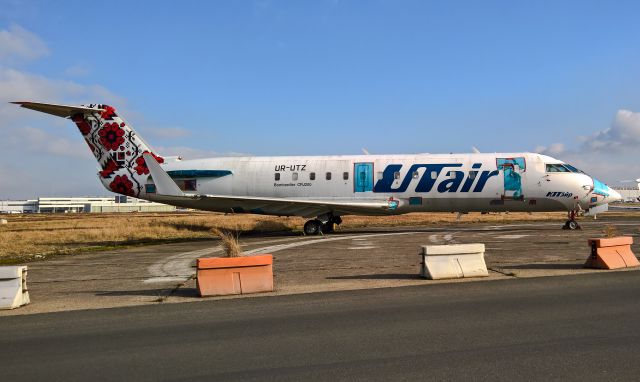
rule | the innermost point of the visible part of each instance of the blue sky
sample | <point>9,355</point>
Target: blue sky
<point>321,77</point>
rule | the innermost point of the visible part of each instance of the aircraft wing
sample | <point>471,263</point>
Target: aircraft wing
<point>277,206</point>
<point>168,192</point>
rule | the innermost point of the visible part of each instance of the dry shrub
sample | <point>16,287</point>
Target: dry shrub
<point>230,241</point>
<point>610,231</point>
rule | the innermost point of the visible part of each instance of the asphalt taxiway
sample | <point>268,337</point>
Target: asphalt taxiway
<point>582,327</point>
<point>347,260</point>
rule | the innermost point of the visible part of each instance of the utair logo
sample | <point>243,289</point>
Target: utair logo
<point>559,194</point>
<point>456,181</point>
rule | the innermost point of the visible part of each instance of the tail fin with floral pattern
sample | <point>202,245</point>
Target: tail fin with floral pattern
<point>117,147</point>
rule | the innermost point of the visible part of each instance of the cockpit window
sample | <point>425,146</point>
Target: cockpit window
<point>557,168</point>
<point>573,169</point>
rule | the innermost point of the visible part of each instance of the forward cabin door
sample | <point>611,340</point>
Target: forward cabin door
<point>363,177</point>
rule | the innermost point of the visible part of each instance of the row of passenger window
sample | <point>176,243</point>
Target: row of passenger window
<point>312,176</point>
<point>345,175</point>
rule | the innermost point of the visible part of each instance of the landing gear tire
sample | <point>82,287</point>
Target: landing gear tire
<point>328,227</point>
<point>312,227</point>
<point>571,225</point>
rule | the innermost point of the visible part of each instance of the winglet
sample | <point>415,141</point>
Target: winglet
<point>164,184</point>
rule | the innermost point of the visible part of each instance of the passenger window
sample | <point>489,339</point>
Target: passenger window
<point>345,175</point>
<point>312,176</point>
<point>277,176</point>
<point>328,176</point>
<point>294,176</point>
<point>396,175</point>
<point>415,175</point>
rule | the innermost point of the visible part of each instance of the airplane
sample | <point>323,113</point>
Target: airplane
<point>324,188</point>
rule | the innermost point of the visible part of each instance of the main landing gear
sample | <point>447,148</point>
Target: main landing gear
<point>322,224</point>
<point>571,224</point>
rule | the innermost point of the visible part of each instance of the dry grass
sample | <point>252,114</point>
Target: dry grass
<point>39,235</point>
<point>230,241</point>
<point>610,231</point>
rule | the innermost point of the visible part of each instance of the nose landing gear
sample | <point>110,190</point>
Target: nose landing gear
<point>571,224</point>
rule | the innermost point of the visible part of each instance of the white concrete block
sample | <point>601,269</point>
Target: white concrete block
<point>453,261</point>
<point>13,287</point>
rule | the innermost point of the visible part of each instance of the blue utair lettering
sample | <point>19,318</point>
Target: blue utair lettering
<point>428,180</point>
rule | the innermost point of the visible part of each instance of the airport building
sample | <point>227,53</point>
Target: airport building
<point>76,205</point>
<point>629,194</point>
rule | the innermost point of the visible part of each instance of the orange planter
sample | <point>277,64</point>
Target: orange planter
<point>218,276</point>
<point>611,253</point>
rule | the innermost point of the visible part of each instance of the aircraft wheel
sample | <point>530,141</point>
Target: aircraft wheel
<point>327,227</point>
<point>312,227</point>
<point>572,225</point>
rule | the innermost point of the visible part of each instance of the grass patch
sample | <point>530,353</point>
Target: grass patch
<point>37,236</point>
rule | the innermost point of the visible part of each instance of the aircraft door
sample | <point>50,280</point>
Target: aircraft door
<point>363,177</point>
<point>512,170</point>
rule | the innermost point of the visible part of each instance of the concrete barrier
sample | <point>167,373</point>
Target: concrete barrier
<point>218,276</point>
<point>13,287</point>
<point>611,253</point>
<point>453,261</point>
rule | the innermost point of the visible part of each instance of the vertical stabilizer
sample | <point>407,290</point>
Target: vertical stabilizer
<point>117,147</point>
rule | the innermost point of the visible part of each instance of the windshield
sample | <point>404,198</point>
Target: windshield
<point>573,169</point>
<point>564,167</point>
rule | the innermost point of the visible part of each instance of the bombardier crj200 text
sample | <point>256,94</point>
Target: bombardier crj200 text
<point>324,188</point>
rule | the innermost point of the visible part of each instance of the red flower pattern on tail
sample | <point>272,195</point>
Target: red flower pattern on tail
<point>141,166</point>
<point>122,185</point>
<point>111,136</point>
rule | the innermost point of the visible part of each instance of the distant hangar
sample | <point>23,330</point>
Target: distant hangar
<point>76,205</point>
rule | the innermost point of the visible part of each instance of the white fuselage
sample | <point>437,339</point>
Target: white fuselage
<point>421,182</point>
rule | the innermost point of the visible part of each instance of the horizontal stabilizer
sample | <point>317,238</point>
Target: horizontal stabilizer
<point>57,110</point>
<point>164,184</point>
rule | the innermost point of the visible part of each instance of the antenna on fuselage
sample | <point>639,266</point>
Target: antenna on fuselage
<point>365,151</point>
<point>475,150</point>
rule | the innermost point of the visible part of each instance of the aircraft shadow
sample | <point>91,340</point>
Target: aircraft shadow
<point>388,276</point>
<point>160,293</point>
<point>546,266</point>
